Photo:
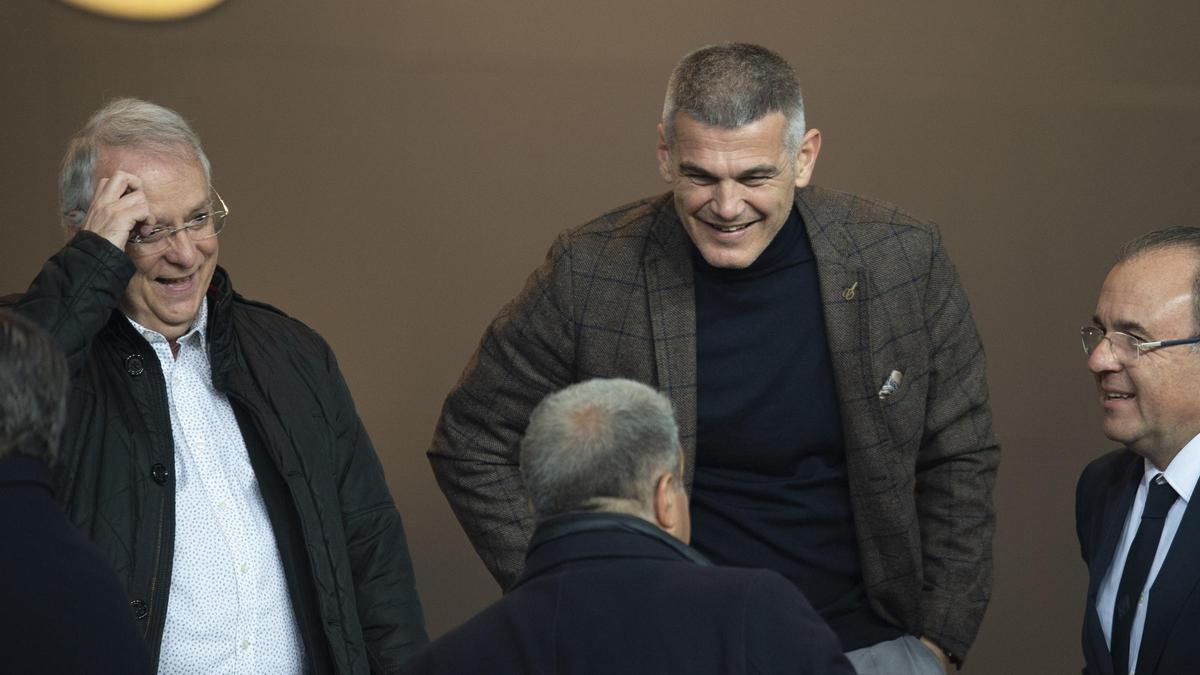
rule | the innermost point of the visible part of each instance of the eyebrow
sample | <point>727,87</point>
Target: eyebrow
<point>758,171</point>
<point>1124,326</point>
<point>202,205</point>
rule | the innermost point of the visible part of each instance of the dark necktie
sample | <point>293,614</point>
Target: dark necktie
<point>1137,568</point>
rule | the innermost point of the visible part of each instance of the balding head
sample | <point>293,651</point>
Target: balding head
<point>600,445</point>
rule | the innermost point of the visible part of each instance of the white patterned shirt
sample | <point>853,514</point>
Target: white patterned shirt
<point>229,609</point>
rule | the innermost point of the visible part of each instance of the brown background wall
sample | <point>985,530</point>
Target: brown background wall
<point>396,169</point>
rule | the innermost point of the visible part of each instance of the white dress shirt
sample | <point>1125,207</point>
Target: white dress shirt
<point>229,610</point>
<point>1182,474</point>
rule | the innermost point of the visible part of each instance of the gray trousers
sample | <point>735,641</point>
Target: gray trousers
<point>902,656</point>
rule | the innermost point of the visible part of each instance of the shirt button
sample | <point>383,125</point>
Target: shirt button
<point>244,645</point>
<point>159,473</point>
<point>242,568</point>
<point>222,505</point>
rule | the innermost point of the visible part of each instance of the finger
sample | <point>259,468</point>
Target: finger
<point>133,209</point>
<point>116,186</point>
<point>99,188</point>
<point>116,220</point>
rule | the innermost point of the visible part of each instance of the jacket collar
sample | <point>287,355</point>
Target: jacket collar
<point>223,353</point>
<point>592,535</point>
<point>825,218</point>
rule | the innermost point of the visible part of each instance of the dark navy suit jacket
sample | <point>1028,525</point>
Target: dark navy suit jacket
<point>62,609</point>
<point>605,593</point>
<point>1171,637</point>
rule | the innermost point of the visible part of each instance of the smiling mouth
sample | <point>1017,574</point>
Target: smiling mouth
<point>729,229</point>
<point>174,282</point>
<point>1114,396</point>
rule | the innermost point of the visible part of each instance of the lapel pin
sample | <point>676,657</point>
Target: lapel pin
<point>848,294</point>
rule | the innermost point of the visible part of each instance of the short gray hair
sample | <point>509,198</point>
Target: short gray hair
<point>1176,237</point>
<point>732,85</point>
<point>33,389</point>
<point>128,122</point>
<point>599,441</point>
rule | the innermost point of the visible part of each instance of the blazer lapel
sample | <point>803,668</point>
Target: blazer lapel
<point>846,301</point>
<point>1118,500</point>
<point>880,520</point>
<point>1118,497</point>
<point>1173,588</point>
<point>671,294</point>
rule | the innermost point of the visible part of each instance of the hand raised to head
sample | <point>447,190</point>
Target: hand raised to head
<point>118,206</point>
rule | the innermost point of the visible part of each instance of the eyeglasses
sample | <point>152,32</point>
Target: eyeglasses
<point>1124,346</point>
<point>206,225</point>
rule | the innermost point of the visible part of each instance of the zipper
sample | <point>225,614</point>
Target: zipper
<point>156,626</point>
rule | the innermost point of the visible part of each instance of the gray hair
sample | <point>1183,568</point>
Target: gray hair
<point>732,85</point>
<point>126,122</point>
<point>596,443</point>
<point>33,389</point>
<point>1180,237</point>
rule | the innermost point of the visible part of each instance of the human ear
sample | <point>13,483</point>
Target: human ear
<point>663,152</point>
<point>806,156</point>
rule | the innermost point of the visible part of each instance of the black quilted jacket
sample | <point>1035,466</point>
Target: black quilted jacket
<point>339,533</point>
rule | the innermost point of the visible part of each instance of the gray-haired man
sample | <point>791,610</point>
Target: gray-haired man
<point>817,347</point>
<point>213,452</point>
<point>609,584</point>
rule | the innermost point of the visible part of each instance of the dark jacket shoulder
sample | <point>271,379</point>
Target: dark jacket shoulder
<point>1100,475</point>
<point>868,230</point>
<point>1099,480</point>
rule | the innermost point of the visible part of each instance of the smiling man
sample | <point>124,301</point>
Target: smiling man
<point>817,348</point>
<point>1137,531</point>
<point>212,451</point>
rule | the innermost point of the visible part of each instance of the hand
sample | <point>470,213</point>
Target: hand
<point>118,206</point>
<point>937,651</point>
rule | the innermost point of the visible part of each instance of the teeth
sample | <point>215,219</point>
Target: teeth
<point>1117,396</point>
<point>732,228</point>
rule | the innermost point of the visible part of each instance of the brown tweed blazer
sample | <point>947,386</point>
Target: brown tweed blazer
<point>614,298</point>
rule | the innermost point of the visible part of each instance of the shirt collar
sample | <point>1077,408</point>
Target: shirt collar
<point>1183,471</point>
<point>199,327</point>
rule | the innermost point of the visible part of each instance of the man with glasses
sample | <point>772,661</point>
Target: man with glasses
<point>212,451</point>
<point>1138,533</point>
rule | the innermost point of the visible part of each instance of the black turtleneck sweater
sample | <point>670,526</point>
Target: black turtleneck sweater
<point>771,488</point>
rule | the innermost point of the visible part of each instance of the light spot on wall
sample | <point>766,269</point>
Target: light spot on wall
<point>146,10</point>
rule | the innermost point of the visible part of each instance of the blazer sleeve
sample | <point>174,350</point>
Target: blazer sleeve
<point>784,634</point>
<point>956,466</point>
<point>527,352</point>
